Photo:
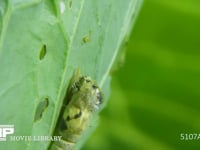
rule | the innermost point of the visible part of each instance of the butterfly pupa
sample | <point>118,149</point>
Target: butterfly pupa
<point>82,101</point>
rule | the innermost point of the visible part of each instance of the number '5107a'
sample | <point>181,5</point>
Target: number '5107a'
<point>189,136</point>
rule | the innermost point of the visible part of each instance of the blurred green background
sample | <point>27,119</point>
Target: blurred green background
<point>156,94</point>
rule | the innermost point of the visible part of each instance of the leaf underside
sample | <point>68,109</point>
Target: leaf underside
<point>42,43</point>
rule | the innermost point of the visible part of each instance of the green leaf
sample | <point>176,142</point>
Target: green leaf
<point>42,42</point>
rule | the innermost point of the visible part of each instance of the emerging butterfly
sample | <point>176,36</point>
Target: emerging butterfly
<point>82,101</point>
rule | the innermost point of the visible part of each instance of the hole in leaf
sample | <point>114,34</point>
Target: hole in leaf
<point>1,21</point>
<point>43,52</point>
<point>42,106</point>
<point>62,7</point>
<point>70,4</point>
